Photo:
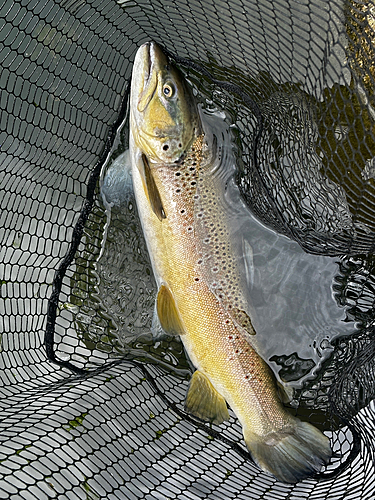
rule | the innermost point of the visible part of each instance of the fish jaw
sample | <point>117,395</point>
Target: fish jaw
<point>148,64</point>
<point>163,112</point>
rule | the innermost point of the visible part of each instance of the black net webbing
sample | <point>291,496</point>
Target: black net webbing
<point>91,406</point>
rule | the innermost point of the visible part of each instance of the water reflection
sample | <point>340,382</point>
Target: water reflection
<point>303,156</point>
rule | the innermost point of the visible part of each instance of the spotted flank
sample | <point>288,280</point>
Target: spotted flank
<point>178,171</point>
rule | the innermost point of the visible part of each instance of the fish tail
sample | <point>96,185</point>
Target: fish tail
<point>291,454</point>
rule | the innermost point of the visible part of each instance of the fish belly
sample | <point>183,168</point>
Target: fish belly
<point>215,344</point>
<point>214,326</point>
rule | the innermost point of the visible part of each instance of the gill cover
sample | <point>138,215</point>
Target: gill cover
<point>164,118</point>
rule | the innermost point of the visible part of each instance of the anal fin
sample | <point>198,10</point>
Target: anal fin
<point>203,400</point>
<point>167,312</point>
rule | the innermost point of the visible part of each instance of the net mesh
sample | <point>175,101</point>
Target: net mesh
<point>297,79</point>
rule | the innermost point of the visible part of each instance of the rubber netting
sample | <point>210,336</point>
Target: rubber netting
<point>297,79</point>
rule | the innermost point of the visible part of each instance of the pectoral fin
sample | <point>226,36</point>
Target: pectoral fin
<point>203,400</point>
<point>167,312</point>
<point>151,189</point>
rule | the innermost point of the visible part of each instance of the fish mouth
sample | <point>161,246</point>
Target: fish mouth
<point>147,60</point>
<point>153,57</point>
<point>150,60</point>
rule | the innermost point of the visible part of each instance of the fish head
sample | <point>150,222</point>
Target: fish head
<point>164,118</point>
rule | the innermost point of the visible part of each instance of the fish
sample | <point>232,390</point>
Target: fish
<point>201,292</point>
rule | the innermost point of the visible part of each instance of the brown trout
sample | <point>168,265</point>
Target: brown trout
<point>201,294</point>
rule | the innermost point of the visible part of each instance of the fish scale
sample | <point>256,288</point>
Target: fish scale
<point>179,192</point>
<point>188,272</point>
<point>195,193</point>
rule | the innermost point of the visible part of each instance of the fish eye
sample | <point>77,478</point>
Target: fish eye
<point>169,90</point>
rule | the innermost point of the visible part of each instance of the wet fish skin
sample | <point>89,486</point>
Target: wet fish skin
<point>165,124</point>
<point>200,289</point>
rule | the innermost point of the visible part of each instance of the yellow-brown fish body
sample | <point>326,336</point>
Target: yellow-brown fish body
<point>201,293</point>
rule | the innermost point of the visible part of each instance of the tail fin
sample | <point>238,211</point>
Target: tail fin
<point>292,454</point>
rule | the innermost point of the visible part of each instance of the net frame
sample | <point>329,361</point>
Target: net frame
<point>33,247</point>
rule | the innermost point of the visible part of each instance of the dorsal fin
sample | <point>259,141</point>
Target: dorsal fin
<point>242,319</point>
<point>152,190</point>
<point>239,316</point>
